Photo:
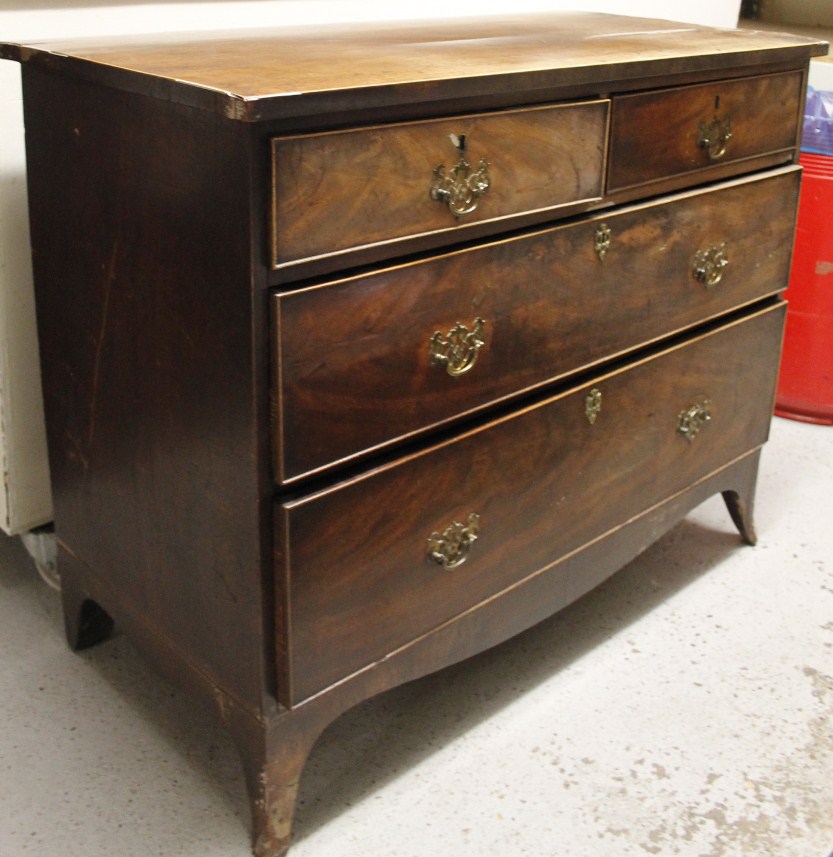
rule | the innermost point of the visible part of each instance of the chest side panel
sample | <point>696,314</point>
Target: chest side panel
<point>145,307</point>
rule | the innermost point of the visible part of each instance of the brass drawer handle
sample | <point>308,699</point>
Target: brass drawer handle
<point>710,263</point>
<point>593,405</point>
<point>693,420</point>
<point>451,548</point>
<point>714,136</point>
<point>462,189</point>
<point>457,351</point>
<point>601,240</point>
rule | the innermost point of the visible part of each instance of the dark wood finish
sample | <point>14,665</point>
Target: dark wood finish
<point>152,417</point>
<point>367,590</point>
<point>655,135</point>
<point>149,175</point>
<point>741,509</point>
<point>332,192</point>
<point>360,347</point>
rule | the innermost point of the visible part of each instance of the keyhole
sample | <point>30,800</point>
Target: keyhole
<point>716,103</point>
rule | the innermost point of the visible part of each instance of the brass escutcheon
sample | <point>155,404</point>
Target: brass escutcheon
<point>693,420</point>
<point>593,405</point>
<point>601,240</point>
<point>457,351</point>
<point>462,188</point>
<point>713,136</point>
<point>710,263</point>
<point>451,548</point>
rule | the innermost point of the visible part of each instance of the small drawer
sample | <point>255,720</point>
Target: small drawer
<point>371,564</point>
<point>337,191</point>
<point>404,349</point>
<point>693,130</point>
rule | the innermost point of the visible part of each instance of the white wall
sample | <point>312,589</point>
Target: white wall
<point>24,494</point>
<point>53,18</point>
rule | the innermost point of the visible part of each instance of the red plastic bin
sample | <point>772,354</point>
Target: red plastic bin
<point>805,384</point>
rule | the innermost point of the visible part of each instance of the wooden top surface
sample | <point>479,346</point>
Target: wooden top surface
<point>263,74</point>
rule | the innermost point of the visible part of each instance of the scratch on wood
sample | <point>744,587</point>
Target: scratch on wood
<point>77,452</point>
<point>663,32</point>
<point>105,310</point>
<point>223,706</point>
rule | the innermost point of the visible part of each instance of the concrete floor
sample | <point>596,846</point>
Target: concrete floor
<point>685,707</point>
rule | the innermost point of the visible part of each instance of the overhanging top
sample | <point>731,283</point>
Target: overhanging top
<point>268,74</point>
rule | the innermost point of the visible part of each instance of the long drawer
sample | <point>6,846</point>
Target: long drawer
<point>379,349</point>
<point>346,189</point>
<point>688,131</point>
<point>371,564</point>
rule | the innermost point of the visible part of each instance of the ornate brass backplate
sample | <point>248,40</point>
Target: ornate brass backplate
<point>462,188</point>
<point>713,136</point>
<point>457,351</point>
<point>601,240</point>
<point>451,547</point>
<point>710,263</point>
<point>593,405</point>
<point>693,420</point>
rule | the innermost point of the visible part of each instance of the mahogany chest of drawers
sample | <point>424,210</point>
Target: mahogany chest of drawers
<point>365,349</point>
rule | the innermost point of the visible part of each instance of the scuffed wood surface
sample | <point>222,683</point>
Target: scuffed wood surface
<point>269,73</point>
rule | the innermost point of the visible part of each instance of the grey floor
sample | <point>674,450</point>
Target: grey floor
<point>685,707</point>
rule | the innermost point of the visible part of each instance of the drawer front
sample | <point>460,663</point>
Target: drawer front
<point>355,576</point>
<point>693,129</point>
<point>341,190</point>
<point>551,303</point>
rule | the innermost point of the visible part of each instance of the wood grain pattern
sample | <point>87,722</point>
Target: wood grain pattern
<point>335,191</point>
<point>545,483</point>
<point>267,74</point>
<point>654,135</point>
<point>360,347</point>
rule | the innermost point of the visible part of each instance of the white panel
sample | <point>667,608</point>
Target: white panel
<point>100,18</point>
<point>25,499</point>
